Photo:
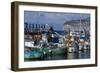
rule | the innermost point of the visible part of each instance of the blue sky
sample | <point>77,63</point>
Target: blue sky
<point>55,19</point>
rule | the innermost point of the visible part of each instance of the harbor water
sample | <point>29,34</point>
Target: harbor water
<point>55,54</point>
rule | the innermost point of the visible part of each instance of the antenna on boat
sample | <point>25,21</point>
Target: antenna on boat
<point>80,22</point>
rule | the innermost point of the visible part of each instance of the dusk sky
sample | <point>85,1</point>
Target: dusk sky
<point>55,19</point>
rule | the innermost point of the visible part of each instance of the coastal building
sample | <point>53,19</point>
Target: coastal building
<point>77,25</point>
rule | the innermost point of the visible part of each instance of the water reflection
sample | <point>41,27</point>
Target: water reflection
<point>39,56</point>
<point>79,55</point>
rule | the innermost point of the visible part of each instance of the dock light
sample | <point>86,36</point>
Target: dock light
<point>44,52</point>
<point>49,50</point>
